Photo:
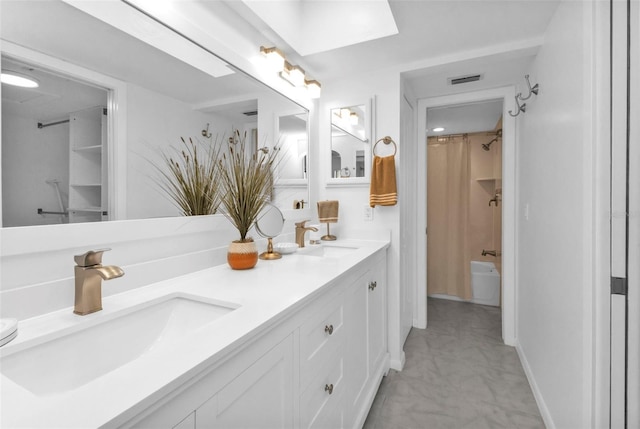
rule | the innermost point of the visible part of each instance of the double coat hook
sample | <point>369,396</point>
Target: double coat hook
<point>519,97</point>
<point>521,107</point>
<point>532,91</point>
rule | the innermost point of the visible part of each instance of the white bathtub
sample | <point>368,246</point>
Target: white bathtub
<point>485,283</point>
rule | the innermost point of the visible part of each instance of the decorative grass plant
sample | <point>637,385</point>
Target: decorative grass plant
<point>246,182</point>
<point>192,179</point>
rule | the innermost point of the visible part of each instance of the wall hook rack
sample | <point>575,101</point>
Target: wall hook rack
<point>521,107</point>
<point>532,90</point>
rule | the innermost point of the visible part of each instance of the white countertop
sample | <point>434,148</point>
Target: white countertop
<point>268,292</point>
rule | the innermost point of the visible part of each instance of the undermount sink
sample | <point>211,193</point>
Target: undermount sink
<point>76,358</point>
<point>329,251</point>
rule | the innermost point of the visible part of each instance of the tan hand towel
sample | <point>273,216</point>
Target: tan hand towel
<point>383,190</point>
<point>328,211</point>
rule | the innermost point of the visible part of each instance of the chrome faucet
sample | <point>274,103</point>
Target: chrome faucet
<point>300,230</point>
<point>490,252</point>
<point>89,273</point>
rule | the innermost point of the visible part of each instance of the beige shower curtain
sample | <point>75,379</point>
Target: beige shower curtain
<point>448,269</point>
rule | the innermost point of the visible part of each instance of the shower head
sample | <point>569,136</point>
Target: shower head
<point>487,146</point>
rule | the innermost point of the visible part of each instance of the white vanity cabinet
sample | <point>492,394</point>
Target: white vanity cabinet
<point>261,396</point>
<point>367,344</point>
<point>377,314</point>
<point>243,392</point>
<point>320,367</point>
<point>322,371</point>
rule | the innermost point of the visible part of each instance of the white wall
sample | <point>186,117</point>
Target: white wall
<point>30,157</point>
<point>155,123</point>
<point>385,86</point>
<point>554,244</point>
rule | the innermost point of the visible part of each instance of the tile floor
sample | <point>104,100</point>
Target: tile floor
<point>458,374</point>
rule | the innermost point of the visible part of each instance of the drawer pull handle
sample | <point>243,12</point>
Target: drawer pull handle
<point>328,329</point>
<point>373,285</point>
<point>328,388</point>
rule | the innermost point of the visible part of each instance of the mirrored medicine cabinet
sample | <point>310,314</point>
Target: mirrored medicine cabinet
<point>350,154</point>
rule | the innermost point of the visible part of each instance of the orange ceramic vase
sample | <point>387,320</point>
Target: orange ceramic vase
<point>242,255</point>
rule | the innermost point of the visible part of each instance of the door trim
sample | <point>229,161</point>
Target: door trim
<point>509,203</point>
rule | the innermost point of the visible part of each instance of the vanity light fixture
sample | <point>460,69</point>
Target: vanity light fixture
<point>437,129</point>
<point>314,88</point>
<point>18,79</point>
<point>275,58</point>
<point>293,74</point>
<point>353,118</point>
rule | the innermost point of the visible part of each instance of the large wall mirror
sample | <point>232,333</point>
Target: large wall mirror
<point>82,146</point>
<point>350,143</point>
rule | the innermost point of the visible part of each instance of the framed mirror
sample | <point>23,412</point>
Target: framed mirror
<point>151,97</point>
<point>350,144</point>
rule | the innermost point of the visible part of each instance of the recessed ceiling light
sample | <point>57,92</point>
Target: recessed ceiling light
<point>437,129</point>
<point>18,79</point>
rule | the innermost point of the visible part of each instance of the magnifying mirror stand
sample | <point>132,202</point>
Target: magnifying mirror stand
<point>328,237</point>
<point>270,254</point>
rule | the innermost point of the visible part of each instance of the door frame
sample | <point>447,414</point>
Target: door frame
<point>509,203</point>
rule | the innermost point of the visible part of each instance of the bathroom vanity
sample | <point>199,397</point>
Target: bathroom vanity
<point>299,342</point>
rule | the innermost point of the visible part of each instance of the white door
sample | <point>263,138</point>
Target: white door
<point>633,268</point>
<point>411,226</point>
<point>625,196</point>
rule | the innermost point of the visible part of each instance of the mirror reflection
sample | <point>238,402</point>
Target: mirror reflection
<point>64,169</point>
<point>350,148</point>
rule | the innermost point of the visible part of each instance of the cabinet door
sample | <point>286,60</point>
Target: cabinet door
<point>377,314</point>
<point>357,361</point>
<point>260,397</point>
<point>322,403</point>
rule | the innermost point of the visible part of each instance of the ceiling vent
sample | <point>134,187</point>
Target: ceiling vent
<point>251,113</point>
<point>464,79</point>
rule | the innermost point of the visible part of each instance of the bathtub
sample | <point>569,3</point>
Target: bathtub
<point>485,283</point>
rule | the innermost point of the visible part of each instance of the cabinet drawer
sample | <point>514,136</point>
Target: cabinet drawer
<point>321,337</point>
<point>322,403</point>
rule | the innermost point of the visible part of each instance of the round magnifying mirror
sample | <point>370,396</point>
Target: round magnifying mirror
<point>269,225</point>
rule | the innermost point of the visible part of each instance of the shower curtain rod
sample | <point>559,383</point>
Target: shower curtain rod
<point>488,133</point>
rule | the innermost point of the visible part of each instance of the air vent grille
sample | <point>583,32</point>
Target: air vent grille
<point>464,79</point>
<point>251,113</point>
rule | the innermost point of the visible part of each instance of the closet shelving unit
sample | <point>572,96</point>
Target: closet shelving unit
<point>87,165</point>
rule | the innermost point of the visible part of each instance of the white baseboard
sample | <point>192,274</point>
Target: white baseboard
<point>542,406</point>
<point>398,364</point>
<point>449,297</point>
